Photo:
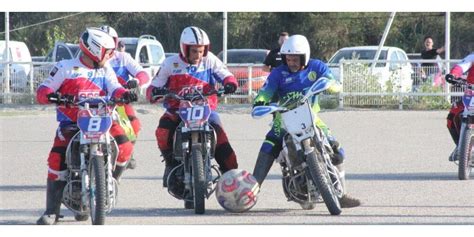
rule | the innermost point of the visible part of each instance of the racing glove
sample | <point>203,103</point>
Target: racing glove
<point>129,97</point>
<point>450,78</point>
<point>159,91</point>
<point>54,98</point>
<point>229,88</point>
<point>259,103</point>
<point>132,83</point>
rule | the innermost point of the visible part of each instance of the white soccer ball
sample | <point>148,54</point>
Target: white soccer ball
<point>237,190</point>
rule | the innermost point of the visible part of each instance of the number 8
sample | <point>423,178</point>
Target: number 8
<point>94,124</point>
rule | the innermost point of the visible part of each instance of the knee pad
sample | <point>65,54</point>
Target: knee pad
<point>162,138</point>
<point>136,125</point>
<point>125,152</point>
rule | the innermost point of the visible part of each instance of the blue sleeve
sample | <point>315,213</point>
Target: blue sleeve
<point>270,87</point>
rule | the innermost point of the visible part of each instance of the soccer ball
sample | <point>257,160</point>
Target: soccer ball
<point>237,190</point>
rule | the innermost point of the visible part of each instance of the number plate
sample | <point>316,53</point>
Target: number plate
<point>468,100</point>
<point>299,120</point>
<point>194,115</point>
<point>93,126</point>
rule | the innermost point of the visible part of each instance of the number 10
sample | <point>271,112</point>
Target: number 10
<point>195,113</point>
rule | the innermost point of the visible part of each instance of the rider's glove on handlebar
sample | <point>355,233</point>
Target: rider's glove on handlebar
<point>450,78</point>
<point>54,98</point>
<point>132,83</point>
<point>129,97</point>
<point>259,103</point>
<point>229,88</point>
<point>58,99</point>
<point>158,93</point>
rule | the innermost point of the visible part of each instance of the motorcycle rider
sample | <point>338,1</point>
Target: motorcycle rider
<point>195,65</point>
<point>76,78</point>
<point>127,69</point>
<point>291,80</point>
<point>454,116</point>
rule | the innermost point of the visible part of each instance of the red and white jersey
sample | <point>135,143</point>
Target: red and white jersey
<point>179,77</point>
<point>465,66</point>
<point>72,77</point>
<point>125,67</point>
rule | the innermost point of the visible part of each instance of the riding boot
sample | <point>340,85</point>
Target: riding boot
<point>454,155</point>
<point>170,163</point>
<point>262,166</point>
<point>338,152</point>
<point>117,173</point>
<point>346,201</point>
<point>54,194</point>
<point>132,163</point>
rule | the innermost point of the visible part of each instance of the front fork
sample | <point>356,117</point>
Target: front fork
<point>187,147</point>
<point>85,175</point>
<point>93,151</point>
<point>195,137</point>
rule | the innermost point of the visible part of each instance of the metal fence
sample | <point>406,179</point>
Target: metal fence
<point>396,84</point>
<point>388,84</point>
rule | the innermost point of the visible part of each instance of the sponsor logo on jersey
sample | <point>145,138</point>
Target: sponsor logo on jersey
<point>177,71</point>
<point>191,69</point>
<point>285,73</point>
<point>175,65</point>
<point>312,76</point>
<point>288,80</point>
<point>53,71</point>
<point>76,68</point>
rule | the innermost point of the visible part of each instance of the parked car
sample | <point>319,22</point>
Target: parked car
<point>20,70</point>
<point>145,49</point>
<point>382,70</point>
<point>37,59</point>
<point>237,57</point>
<point>62,51</point>
<point>170,54</point>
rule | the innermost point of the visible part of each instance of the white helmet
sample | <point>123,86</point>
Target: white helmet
<point>95,42</point>
<point>296,44</point>
<point>193,35</point>
<point>111,31</point>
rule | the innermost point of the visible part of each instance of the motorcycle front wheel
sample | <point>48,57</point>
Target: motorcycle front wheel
<point>97,199</point>
<point>322,180</point>
<point>465,153</point>
<point>199,179</point>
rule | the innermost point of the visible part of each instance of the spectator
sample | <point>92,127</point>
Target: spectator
<point>273,58</point>
<point>429,69</point>
<point>121,46</point>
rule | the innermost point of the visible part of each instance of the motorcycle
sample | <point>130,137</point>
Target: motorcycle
<point>90,159</point>
<point>466,141</point>
<point>194,178</point>
<point>309,177</point>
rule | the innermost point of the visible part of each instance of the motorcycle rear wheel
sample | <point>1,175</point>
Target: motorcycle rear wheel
<point>465,153</point>
<point>97,193</point>
<point>199,179</point>
<point>320,176</point>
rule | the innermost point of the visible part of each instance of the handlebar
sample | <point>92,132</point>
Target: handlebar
<point>463,82</point>
<point>189,96</point>
<point>70,100</point>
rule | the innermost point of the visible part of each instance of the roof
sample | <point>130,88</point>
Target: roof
<point>368,47</point>
<point>247,50</point>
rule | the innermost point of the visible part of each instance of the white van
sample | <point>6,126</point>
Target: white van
<point>145,49</point>
<point>383,70</point>
<point>19,72</point>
